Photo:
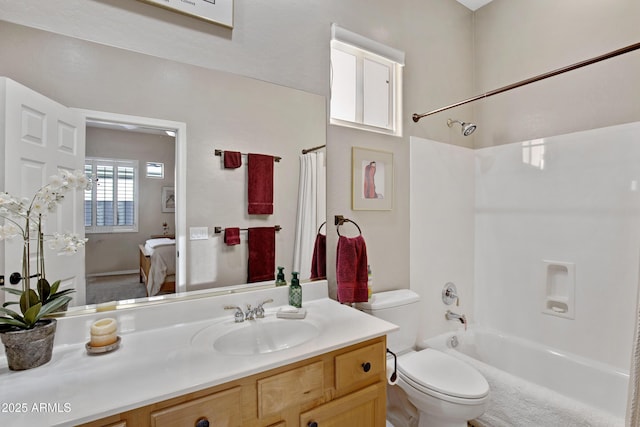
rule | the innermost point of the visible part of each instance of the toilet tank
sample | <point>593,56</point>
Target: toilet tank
<point>400,307</point>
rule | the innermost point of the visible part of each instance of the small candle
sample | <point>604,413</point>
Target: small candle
<point>104,332</point>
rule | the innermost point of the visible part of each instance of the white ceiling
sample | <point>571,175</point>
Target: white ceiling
<point>474,4</point>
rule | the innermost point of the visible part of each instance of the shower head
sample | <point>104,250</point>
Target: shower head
<point>467,128</point>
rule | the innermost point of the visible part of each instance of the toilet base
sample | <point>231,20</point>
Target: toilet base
<point>428,420</point>
<point>434,412</point>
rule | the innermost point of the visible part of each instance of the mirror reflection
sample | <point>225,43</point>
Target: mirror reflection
<point>219,111</point>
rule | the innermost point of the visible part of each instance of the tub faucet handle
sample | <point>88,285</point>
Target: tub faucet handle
<point>450,294</point>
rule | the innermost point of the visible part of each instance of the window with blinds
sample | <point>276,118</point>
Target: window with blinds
<point>111,205</point>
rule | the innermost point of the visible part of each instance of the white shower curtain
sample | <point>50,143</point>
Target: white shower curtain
<point>633,397</point>
<point>311,210</point>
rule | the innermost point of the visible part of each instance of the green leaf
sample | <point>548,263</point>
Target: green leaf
<point>8,303</point>
<point>55,286</point>
<point>11,313</point>
<point>13,322</point>
<point>60,294</point>
<point>44,289</point>
<point>52,306</point>
<point>12,291</point>
<point>32,315</point>
<point>33,300</point>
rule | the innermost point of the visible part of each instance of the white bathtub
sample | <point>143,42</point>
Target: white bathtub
<point>535,385</point>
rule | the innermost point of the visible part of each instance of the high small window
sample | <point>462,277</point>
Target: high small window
<point>366,83</point>
<point>155,170</point>
<point>111,205</point>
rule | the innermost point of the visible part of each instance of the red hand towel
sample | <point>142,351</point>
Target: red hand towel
<point>260,185</point>
<point>319,259</point>
<point>351,269</point>
<point>232,236</point>
<point>262,254</point>
<point>232,159</point>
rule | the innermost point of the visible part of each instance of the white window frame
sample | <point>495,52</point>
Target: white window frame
<point>161,164</point>
<point>363,49</point>
<point>95,229</point>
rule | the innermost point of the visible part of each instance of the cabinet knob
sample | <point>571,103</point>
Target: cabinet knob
<point>202,422</point>
<point>312,424</point>
<point>366,366</point>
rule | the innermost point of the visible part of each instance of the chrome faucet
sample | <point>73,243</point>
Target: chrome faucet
<point>259,310</point>
<point>239,315</point>
<point>450,315</point>
<point>250,314</point>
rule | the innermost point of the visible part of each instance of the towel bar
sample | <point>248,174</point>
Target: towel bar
<point>220,152</point>
<point>218,230</point>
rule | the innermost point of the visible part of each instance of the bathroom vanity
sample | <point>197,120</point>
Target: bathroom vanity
<point>333,388</point>
<point>187,363</point>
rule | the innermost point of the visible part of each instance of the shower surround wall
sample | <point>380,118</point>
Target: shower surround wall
<point>571,200</point>
<point>442,224</point>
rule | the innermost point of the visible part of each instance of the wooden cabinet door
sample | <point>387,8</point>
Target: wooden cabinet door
<point>364,408</point>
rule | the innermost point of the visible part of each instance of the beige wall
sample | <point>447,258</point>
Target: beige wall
<point>518,39</point>
<point>117,252</point>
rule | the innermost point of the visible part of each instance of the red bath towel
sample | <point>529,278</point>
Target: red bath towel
<point>262,254</point>
<point>319,259</point>
<point>260,185</point>
<point>232,159</point>
<point>351,269</point>
<point>232,236</point>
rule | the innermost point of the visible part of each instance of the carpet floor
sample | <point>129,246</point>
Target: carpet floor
<point>114,288</point>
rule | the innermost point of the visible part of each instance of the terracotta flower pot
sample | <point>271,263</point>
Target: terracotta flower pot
<point>29,348</point>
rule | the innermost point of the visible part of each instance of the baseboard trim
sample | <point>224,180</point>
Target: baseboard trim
<point>113,273</point>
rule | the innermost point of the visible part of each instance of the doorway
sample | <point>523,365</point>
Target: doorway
<point>146,127</point>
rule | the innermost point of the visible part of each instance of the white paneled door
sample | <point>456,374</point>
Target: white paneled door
<point>41,137</point>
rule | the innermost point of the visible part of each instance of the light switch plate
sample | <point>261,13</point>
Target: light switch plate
<point>198,233</point>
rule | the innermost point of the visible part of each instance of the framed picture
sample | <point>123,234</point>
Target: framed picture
<point>216,11</point>
<point>372,180</point>
<point>168,199</point>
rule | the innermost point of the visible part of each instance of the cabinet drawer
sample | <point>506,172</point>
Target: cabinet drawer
<point>290,388</point>
<point>362,365</point>
<point>363,408</point>
<point>220,409</point>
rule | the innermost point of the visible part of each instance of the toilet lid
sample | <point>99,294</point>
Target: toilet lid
<point>443,373</point>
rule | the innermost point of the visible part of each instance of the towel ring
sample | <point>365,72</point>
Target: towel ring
<point>340,220</point>
<point>321,225</point>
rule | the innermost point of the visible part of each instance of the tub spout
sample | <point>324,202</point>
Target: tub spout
<point>450,315</point>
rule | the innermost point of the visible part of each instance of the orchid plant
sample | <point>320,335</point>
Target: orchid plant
<point>24,218</point>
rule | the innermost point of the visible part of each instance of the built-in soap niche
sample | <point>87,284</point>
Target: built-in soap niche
<point>559,288</point>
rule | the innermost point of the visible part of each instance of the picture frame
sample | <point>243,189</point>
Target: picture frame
<point>372,180</point>
<point>215,11</point>
<point>168,199</point>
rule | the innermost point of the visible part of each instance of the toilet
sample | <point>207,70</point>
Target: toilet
<point>446,391</point>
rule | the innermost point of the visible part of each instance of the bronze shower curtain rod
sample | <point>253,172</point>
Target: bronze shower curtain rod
<point>309,150</point>
<point>537,78</point>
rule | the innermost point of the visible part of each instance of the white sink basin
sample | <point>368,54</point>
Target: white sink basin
<point>255,336</point>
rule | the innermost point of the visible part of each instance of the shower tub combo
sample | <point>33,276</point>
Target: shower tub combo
<point>532,383</point>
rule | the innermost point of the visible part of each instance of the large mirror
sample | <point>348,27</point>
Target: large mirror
<point>219,111</point>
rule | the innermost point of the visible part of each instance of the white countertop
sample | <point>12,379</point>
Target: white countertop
<point>158,363</point>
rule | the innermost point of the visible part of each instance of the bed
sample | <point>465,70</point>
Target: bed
<point>158,265</point>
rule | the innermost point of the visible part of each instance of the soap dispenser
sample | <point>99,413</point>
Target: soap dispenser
<point>280,277</point>
<point>295,291</point>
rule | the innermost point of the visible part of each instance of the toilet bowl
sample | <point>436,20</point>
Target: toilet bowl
<point>446,391</point>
